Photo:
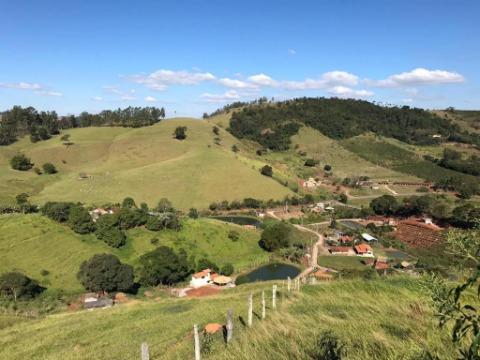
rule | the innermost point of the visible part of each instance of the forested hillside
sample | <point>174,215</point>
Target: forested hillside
<point>272,125</point>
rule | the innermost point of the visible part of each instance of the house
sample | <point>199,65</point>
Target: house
<point>202,278</point>
<point>368,237</point>
<point>379,265</point>
<point>363,250</point>
<point>96,213</point>
<point>341,250</point>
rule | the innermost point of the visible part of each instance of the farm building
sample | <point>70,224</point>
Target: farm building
<point>341,250</point>
<point>222,280</point>
<point>202,278</point>
<point>368,237</point>
<point>418,233</point>
<point>363,250</point>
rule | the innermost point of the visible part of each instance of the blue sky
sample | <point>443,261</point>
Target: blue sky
<point>196,56</point>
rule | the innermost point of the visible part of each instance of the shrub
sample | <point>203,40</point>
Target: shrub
<point>233,235</point>
<point>310,162</point>
<point>154,223</point>
<point>104,272</point>
<point>112,236</point>
<point>327,347</point>
<point>58,211</point>
<point>37,170</point>
<point>128,203</point>
<point>21,162</point>
<point>180,133</point>
<point>267,171</point>
<point>80,221</point>
<point>49,168</point>
<point>235,148</point>
<point>227,269</point>
<point>193,213</point>
<point>16,285</point>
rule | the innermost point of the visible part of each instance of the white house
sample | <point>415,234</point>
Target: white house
<point>201,278</point>
<point>368,237</point>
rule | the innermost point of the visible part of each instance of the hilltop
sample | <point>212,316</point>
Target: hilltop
<point>145,163</point>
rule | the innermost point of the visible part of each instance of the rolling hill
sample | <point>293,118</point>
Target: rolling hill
<point>144,163</point>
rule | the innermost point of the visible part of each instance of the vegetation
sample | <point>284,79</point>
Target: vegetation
<point>267,171</point>
<point>21,162</point>
<point>49,168</point>
<point>180,133</point>
<point>104,272</point>
<point>276,236</point>
<point>17,285</point>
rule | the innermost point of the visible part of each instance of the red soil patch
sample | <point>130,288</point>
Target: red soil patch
<point>418,235</point>
<point>203,291</point>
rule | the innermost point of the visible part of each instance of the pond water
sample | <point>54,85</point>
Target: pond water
<point>240,220</point>
<point>274,271</point>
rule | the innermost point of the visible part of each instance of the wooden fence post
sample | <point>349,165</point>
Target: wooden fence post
<point>229,325</point>
<point>197,342</point>
<point>263,304</point>
<point>250,309</point>
<point>289,283</point>
<point>274,296</point>
<point>145,352</point>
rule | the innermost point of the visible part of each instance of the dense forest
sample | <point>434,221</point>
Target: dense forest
<point>272,125</point>
<point>41,125</point>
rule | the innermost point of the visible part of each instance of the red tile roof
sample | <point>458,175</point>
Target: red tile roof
<point>363,248</point>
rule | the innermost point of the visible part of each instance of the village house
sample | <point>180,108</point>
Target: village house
<point>341,250</point>
<point>363,250</point>
<point>96,213</point>
<point>202,278</point>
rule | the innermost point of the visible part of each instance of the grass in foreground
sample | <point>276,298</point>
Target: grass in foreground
<point>376,319</point>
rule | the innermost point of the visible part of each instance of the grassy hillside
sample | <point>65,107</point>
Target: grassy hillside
<point>376,319</point>
<point>33,243</point>
<point>145,163</point>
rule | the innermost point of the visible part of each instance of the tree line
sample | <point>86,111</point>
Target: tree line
<point>41,125</point>
<point>272,125</point>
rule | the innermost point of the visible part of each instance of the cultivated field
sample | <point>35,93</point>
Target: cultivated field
<point>145,163</point>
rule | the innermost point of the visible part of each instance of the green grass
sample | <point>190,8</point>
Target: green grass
<point>376,319</point>
<point>146,164</point>
<point>32,243</point>
<point>341,263</point>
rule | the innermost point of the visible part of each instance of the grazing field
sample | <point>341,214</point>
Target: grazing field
<point>387,154</point>
<point>392,315</point>
<point>144,163</point>
<point>32,243</point>
<point>341,263</point>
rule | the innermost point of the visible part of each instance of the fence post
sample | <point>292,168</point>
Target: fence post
<point>263,304</point>
<point>274,296</point>
<point>250,309</point>
<point>289,283</point>
<point>197,342</point>
<point>145,352</point>
<point>229,325</point>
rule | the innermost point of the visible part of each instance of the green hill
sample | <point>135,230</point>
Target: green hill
<point>374,319</point>
<point>32,243</point>
<point>144,163</point>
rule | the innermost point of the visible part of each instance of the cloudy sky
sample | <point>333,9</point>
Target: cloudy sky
<point>196,56</point>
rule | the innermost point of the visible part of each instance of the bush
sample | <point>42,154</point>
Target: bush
<point>16,285</point>
<point>162,266</point>
<point>180,133</point>
<point>154,223</point>
<point>310,162</point>
<point>112,236</point>
<point>193,213</point>
<point>276,236</point>
<point>206,264</point>
<point>37,171</point>
<point>21,162</point>
<point>267,171</point>
<point>80,221</point>
<point>49,168</point>
<point>327,347</point>
<point>58,211</point>
<point>233,235</point>
<point>104,272</point>
<point>128,203</point>
<point>227,269</point>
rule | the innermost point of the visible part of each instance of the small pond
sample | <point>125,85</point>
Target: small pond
<point>274,271</point>
<point>240,220</point>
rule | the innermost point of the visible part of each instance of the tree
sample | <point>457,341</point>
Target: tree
<point>80,221</point>
<point>343,198</point>
<point>384,205</point>
<point>49,168</point>
<point>22,199</point>
<point>128,203</point>
<point>327,168</point>
<point>130,218</point>
<point>227,269</point>
<point>180,133</point>
<point>466,215</point>
<point>107,230</point>
<point>311,162</point>
<point>105,272</point>
<point>276,236</point>
<point>162,266</point>
<point>216,130</point>
<point>193,213</point>
<point>21,162</point>
<point>165,205</point>
<point>267,171</point>
<point>17,285</point>
<point>206,264</point>
<point>58,211</point>
<point>235,148</point>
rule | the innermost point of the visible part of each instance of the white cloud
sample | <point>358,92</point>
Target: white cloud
<point>161,79</point>
<point>262,80</point>
<point>343,91</point>
<point>49,93</point>
<point>292,51</point>
<point>150,99</point>
<point>419,76</point>
<point>229,95</point>
<point>22,86</point>
<point>97,98</point>
<point>113,89</point>
<point>236,84</point>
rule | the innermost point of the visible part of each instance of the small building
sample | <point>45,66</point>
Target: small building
<point>96,213</point>
<point>202,278</point>
<point>363,250</point>
<point>341,250</point>
<point>368,237</point>
<point>345,239</point>
<point>222,280</point>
